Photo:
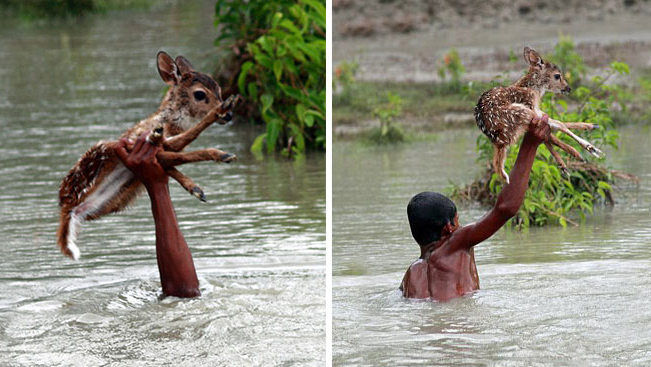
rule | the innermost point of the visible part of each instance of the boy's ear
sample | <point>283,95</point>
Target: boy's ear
<point>447,229</point>
<point>533,58</point>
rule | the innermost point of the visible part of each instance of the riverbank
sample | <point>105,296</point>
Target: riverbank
<point>407,64</point>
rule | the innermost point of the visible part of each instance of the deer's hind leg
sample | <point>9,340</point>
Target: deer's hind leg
<point>499,157</point>
<point>558,158</point>
<point>566,147</point>
<point>557,125</point>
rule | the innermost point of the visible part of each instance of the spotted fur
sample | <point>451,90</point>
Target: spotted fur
<point>503,114</point>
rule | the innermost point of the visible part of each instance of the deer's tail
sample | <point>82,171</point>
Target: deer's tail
<point>69,224</point>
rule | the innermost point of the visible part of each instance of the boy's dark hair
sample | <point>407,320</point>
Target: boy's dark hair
<point>428,213</point>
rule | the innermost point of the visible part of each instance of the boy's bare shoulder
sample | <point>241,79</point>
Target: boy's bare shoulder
<point>415,282</point>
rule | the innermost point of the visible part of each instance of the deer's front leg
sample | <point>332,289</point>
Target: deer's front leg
<point>187,183</point>
<point>171,159</point>
<point>178,142</point>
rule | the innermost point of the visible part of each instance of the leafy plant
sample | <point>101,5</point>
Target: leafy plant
<point>451,68</point>
<point>387,112</point>
<point>345,73</point>
<point>279,53</point>
<point>552,198</point>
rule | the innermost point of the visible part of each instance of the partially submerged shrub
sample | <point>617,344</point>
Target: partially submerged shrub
<point>387,112</point>
<point>552,198</point>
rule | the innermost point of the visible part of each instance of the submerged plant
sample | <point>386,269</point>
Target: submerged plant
<point>451,69</point>
<point>387,112</point>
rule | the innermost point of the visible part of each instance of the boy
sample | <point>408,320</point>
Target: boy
<point>446,268</point>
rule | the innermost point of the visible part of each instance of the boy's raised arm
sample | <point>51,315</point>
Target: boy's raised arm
<point>510,199</point>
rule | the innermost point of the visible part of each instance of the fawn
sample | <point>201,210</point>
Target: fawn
<point>100,184</point>
<point>504,113</point>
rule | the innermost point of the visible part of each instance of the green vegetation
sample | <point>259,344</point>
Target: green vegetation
<point>276,60</point>
<point>423,101</point>
<point>451,69</point>
<point>37,9</point>
<point>389,131</point>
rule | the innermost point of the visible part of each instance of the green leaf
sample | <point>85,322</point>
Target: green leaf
<point>273,131</point>
<point>242,77</point>
<point>252,90</point>
<point>620,67</point>
<point>287,24</point>
<point>309,120</point>
<point>267,100</point>
<point>300,112</point>
<point>278,69</point>
<point>256,147</point>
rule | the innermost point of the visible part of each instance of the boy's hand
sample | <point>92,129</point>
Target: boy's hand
<point>142,160</point>
<point>539,129</point>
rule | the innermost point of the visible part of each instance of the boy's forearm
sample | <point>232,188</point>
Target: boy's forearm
<point>177,272</point>
<point>512,195</point>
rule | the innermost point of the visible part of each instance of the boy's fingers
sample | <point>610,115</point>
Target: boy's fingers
<point>121,150</point>
<point>150,151</point>
<point>140,142</point>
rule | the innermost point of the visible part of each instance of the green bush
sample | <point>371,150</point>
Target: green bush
<point>278,54</point>
<point>552,198</point>
<point>388,132</point>
<point>451,68</point>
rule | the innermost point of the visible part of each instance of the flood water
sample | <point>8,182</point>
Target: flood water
<point>258,243</point>
<point>552,296</point>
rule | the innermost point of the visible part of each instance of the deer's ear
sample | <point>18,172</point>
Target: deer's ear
<point>532,57</point>
<point>184,65</point>
<point>167,68</point>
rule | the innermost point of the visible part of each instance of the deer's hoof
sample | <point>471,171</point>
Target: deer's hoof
<point>229,103</point>
<point>228,157</point>
<point>198,193</point>
<point>595,152</point>
<point>225,118</point>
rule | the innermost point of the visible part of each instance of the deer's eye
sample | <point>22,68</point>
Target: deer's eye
<point>199,95</point>
<point>557,76</point>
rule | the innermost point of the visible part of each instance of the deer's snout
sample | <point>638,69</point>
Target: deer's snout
<point>566,90</point>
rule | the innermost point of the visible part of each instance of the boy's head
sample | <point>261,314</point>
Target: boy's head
<point>429,214</point>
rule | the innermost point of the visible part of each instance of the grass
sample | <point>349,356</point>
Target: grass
<point>428,103</point>
<point>421,101</point>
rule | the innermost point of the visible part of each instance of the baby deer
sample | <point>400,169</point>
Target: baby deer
<point>100,184</point>
<point>504,113</point>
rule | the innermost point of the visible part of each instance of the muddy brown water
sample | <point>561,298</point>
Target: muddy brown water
<point>549,296</point>
<point>258,244</point>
